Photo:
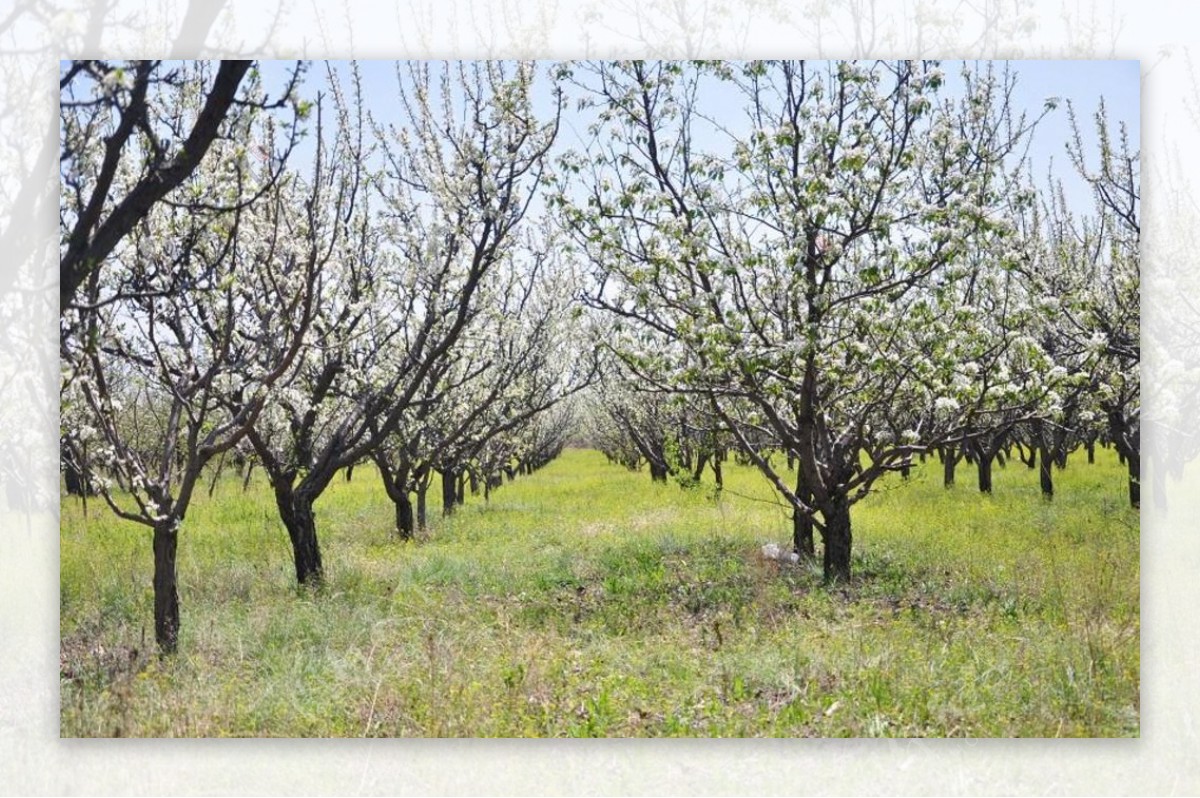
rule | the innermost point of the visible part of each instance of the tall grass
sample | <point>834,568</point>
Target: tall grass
<point>586,601</point>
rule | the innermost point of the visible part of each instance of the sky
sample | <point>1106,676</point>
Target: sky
<point>1082,82</point>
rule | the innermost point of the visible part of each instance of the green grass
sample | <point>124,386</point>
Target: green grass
<point>586,601</point>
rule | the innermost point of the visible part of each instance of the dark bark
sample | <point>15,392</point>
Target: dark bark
<point>983,463</point>
<point>658,473</point>
<point>349,472</point>
<point>395,485</point>
<point>76,483</point>
<point>449,491</point>
<point>1029,460</point>
<point>296,510</point>
<point>1090,446</point>
<point>837,539</point>
<point>949,462</point>
<point>404,517</point>
<point>166,591</point>
<point>802,523</point>
<point>1046,472</point>
<point>422,514</point>
<point>802,535</point>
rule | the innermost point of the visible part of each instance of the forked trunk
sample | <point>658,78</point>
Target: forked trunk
<point>296,510</point>
<point>166,592</point>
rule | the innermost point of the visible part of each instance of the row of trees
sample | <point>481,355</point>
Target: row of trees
<point>858,271</point>
<point>385,299</point>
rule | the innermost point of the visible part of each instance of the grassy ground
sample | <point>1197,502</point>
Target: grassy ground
<point>585,601</point>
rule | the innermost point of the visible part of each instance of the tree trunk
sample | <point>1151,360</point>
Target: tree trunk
<point>1046,472</point>
<point>474,477</point>
<point>1091,451</point>
<point>658,473</point>
<point>802,524</point>
<point>404,517</point>
<point>349,472</point>
<point>449,493</point>
<point>949,461</point>
<point>837,539</point>
<point>166,593</point>
<point>984,464</point>
<point>296,510</point>
<point>75,483</point>
<point>716,467</point>
<point>460,487</point>
<point>1030,461</point>
<point>802,535</point>
<point>212,485</point>
<point>422,515</point>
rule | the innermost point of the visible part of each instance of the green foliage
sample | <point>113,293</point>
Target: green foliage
<point>586,601</point>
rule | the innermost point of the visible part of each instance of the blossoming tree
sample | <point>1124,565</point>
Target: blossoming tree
<point>793,268</point>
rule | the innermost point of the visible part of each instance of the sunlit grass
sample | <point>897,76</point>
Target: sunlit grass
<point>585,600</point>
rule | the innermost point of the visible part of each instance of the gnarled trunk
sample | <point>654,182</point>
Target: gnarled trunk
<point>296,510</point>
<point>166,591</point>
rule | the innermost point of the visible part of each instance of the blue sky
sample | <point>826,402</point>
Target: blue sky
<point>1082,82</point>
